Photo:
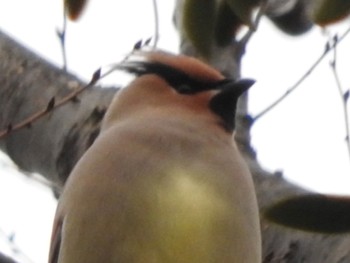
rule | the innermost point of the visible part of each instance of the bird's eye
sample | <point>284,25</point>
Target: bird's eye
<point>184,88</point>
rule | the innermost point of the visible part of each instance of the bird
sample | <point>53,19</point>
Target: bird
<point>164,181</point>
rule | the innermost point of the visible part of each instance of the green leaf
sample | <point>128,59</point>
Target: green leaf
<point>198,24</point>
<point>330,11</point>
<point>313,212</point>
<point>243,9</point>
<point>227,24</point>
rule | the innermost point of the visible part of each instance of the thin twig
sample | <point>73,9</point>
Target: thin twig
<point>156,23</point>
<point>299,81</point>
<point>63,43</point>
<point>10,239</point>
<point>327,49</point>
<point>50,107</point>
<point>62,38</point>
<point>343,96</point>
<point>52,104</point>
<point>252,29</point>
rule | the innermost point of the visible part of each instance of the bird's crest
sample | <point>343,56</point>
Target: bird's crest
<point>188,75</point>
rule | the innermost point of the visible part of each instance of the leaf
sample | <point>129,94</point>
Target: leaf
<point>198,23</point>
<point>312,212</point>
<point>138,45</point>
<point>51,104</point>
<point>9,128</point>
<point>227,24</point>
<point>243,9</point>
<point>148,41</point>
<point>294,21</point>
<point>74,8</point>
<point>346,96</point>
<point>330,11</point>
<point>96,76</point>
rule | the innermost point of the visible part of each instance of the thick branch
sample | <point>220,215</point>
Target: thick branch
<point>52,145</point>
<point>6,259</point>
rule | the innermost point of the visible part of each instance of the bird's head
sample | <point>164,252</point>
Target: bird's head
<point>176,83</point>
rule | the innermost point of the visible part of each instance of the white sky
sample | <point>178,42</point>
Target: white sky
<point>303,136</point>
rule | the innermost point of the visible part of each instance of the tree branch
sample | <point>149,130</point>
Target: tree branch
<point>6,259</point>
<point>344,96</point>
<point>27,83</point>
<point>328,48</point>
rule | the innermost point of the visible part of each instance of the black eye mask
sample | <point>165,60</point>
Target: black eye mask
<point>223,104</point>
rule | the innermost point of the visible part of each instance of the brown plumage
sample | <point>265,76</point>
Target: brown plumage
<point>164,181</point>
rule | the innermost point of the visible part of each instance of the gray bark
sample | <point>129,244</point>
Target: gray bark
<point>6,259</point>
<point>52,145</point>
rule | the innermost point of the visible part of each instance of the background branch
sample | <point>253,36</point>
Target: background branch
<point>27,84</point>
<point>6,259</point>
<point>344,96</point>
<point>328,48</point>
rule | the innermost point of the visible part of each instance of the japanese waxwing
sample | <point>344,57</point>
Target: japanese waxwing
<point>164,181</point>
